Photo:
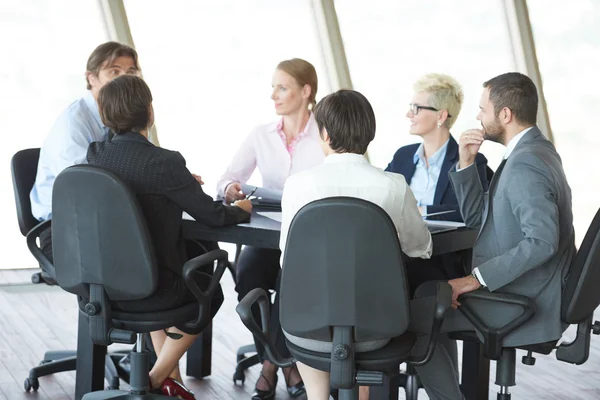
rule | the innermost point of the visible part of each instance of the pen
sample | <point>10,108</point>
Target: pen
<point>252,192</point>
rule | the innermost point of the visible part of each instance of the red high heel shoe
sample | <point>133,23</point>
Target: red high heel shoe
<point>171,387</point>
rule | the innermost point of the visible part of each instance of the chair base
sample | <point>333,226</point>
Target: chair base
<point>43,277</point>
<point>244,362</point>
<point>123,395</point>
<point>62,361</point>
<point>139,382</point>
<point>411,382</point>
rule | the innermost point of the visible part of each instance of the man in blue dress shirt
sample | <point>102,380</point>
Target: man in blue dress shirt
<point>77,127</point>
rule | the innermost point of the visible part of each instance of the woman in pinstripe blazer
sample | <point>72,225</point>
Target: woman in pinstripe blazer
<point>164,188</point>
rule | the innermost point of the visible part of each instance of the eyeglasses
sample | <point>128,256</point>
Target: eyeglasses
<point>415,108</point>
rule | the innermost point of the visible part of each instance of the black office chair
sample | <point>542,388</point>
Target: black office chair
<point>23,170</point>
<point>579,300</point>
<point>102,252</point>
<point>246,356</point>
<point>343,284</point>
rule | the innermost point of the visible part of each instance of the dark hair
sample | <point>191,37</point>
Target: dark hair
<point>107,53</point>
<point>349,120</point>
<point>517,92</point>
<point>304,73</point>
<point>124,104</point>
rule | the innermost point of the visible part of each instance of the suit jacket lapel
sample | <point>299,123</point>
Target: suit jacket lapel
<point>450,159</point>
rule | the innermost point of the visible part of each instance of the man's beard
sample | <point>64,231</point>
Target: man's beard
<point>494,131</point>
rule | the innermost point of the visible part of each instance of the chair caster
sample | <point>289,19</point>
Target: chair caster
<point>31,383</point>
<point>36,278</point>
<point>239,376</point>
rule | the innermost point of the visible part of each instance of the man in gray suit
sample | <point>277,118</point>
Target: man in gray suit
<point>526,239</point>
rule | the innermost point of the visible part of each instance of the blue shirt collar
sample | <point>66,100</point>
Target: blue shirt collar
<point>436,159</point>
<point>91,103</point>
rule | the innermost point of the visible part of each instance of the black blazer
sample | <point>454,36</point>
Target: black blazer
<point>164,188</point>
<point>444,198</point>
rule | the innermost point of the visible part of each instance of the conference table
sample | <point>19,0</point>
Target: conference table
<point>263,231</point>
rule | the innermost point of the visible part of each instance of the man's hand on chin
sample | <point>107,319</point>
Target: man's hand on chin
<point>462,285</point>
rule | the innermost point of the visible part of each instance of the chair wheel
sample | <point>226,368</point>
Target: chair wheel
<point>240,376</point>
<point>36,278</point>
<point>31,383</point>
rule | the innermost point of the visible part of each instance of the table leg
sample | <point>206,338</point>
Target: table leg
<point>475,372</point>
<point>199,356</point>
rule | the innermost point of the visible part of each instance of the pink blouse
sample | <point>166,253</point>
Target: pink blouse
<point>266,147</point>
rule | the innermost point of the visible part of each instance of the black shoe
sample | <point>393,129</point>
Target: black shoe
<point>296,390</point>
<point>269,394</point>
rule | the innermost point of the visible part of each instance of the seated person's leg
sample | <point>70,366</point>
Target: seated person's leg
<point>292,377</point>
<point>197,248</point>
<point>46,247</point>
<point>259,268</point>
<point>316,382</point>
<point>170,350</point>
<point>46,243</point>
<point>419,271</point>
<point>439,376</point>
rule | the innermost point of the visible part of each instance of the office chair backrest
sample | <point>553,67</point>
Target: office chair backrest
<point>581,295</point>
<point>99,235</point>
<point>343,267</point>
<point>24,169</point>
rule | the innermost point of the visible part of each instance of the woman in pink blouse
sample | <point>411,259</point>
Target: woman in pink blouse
<point>279,149</point>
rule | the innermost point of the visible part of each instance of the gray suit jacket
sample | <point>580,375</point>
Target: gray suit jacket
<point>526,239</point>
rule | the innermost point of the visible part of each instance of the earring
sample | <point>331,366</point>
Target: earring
<point>439,124</point>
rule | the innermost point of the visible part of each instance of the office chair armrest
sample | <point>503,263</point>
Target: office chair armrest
<point>443,301</point>
<point>204,297</point>
<point>493,336</point>
<point>31,238</point>
<point>578,350</point>
<point>244,309</point>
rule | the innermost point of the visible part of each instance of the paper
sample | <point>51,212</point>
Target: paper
<point>443,226</point>
<point>438,213</point>
<point>448,224</point>
<point>263,193</point>
<point>274,215</point>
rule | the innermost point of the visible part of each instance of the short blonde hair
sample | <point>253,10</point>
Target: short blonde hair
<point>445,93</point>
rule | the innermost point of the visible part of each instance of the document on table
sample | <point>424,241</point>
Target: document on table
<point>438,213</point>
<point>443,226</point>
<point>263,193</point>
<point>275,216</point>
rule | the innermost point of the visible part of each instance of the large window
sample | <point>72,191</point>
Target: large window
<point>390,43</point>
<point>567,37</point>
<point>209,65</point>
<point>45,45</point>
